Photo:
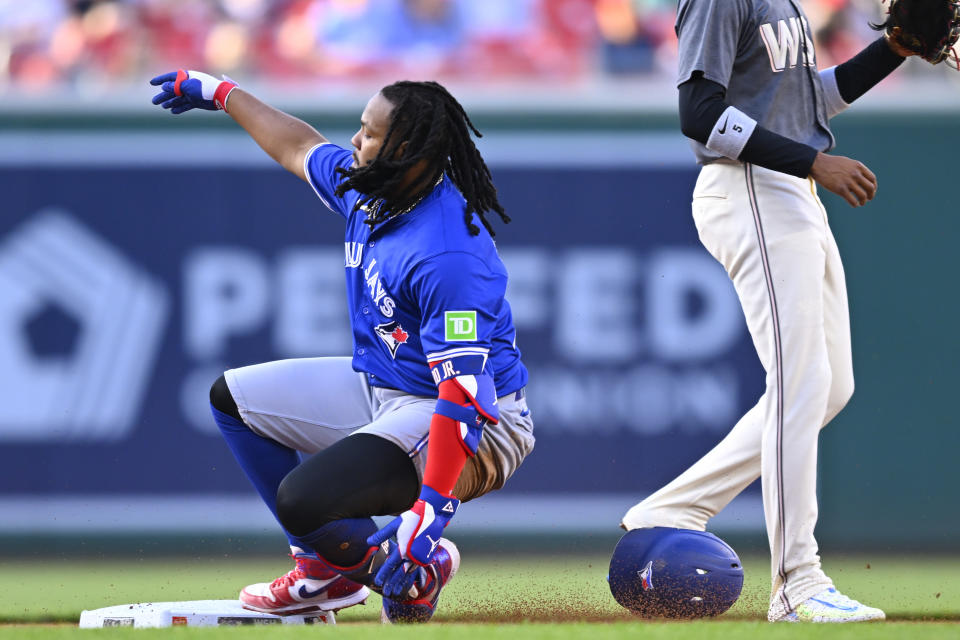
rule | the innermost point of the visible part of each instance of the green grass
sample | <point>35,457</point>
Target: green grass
<point>713,630</point>
<point>540,596</point>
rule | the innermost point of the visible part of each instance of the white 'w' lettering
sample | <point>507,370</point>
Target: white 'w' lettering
<point>354,253</point>
<point>783,47</point>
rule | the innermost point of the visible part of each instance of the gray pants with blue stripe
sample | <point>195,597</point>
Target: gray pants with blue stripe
<point>308,404</point>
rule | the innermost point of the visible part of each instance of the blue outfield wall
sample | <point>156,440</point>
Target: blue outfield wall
<point>127,287</point>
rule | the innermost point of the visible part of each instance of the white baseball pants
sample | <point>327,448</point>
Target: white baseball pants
<point>770,232</point>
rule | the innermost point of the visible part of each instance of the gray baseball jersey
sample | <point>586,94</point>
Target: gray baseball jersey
<point>756,49</point>
<point>770,232</point>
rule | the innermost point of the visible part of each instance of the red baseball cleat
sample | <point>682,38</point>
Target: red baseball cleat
<point>310,586</point>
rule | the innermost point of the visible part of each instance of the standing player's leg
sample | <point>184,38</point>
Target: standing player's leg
<point>769,232</point>
<point>703,490</point>
<point>787,313</point>
<point>260,411</point>
<point>770,235</point>
<point>836,321</point>
<point>829,605</point>
<point>802,317</point>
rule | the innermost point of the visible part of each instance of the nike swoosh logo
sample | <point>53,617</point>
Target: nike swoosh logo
<point>306,593</point>
<point>722,129</point>
<point>373,556</point>
<point>834,606</point>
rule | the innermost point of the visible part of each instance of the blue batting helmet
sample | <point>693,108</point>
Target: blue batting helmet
<point>674,573</point>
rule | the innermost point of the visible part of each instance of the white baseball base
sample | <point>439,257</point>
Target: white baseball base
<point>193,613</point>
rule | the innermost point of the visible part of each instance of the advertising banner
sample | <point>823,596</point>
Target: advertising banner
<point>126,288</point>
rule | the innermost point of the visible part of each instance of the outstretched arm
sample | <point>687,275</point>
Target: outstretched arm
<point>285,139</point>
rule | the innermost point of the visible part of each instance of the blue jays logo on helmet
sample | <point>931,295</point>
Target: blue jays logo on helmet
<point>697,573</point>
<point>646,576</point>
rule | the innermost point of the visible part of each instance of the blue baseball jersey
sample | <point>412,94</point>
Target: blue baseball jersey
<point>420,288</point>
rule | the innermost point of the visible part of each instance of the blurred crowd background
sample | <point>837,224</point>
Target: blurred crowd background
<point>63,44</point>
<point>117,308</point>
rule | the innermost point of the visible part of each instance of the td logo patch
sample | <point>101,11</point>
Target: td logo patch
<point>460,326</point>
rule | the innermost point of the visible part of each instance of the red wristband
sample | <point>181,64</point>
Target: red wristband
<point>222,93</point>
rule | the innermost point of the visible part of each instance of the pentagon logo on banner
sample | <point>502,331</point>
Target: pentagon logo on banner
<point>80,329</point>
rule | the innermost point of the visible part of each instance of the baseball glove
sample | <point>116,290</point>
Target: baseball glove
<point>927,28</point>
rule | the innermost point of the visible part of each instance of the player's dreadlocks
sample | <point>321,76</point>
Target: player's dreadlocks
<point>437,132</point>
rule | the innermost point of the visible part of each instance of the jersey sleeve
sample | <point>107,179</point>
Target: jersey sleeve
<point>460,300</point>
<point>320,166</point>
<point>709,34</point>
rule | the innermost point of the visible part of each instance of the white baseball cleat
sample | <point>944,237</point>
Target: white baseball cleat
<point>827,606</point>
<point>310,586</point>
